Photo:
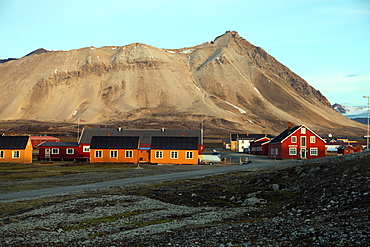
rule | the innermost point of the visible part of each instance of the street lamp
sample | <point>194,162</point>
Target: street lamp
<point>368,113</point>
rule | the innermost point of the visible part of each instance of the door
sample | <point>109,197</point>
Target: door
<point>143,156</point>
<point>303,153</point>
<point>47,153</point>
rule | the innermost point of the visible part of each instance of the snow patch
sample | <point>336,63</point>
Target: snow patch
<point>240,109</point>
<point>255,89</point>
<point>188,51</point>
<point>170,51</point>
<point>232,113</point>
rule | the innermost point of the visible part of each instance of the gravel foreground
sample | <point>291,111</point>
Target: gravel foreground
<point>323,202</point>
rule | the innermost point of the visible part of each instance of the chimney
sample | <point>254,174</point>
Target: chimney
<point>108,134</point>
<point>290,125</point>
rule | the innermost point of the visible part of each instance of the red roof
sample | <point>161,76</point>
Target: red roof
<point>43,138</point>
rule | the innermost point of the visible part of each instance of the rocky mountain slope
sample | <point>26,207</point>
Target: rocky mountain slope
<point>227,83</point>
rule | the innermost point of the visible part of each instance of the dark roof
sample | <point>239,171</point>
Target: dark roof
<point>284,134</point>
<point>176,143</point>
<point>59,144</point>
<point>234,137</point>
<point>143,134</point>
<point>13,142</point>
<point>114,142</point>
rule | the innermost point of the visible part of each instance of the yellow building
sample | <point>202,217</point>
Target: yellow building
<point>15,149</point>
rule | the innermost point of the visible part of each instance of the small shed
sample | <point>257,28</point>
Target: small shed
<point>15,149</point>
<point>260,146</point>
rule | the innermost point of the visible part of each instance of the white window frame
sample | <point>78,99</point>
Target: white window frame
<point>294,139</point>
<point>98,154</point>
<point>86,149</point>
<point>16,154</point>
<point>2,154</point>
<point>312,139</point>
<point>292,151</point>
<point>55,151</point>
<point>303,130</point>
<point>174,155</point>
<point>113,153</point>
<point>303,141</point>
<point>189,155</point>
<point>158,154</point>
<point>129,154</point>
<point>70,151</point>
<point>314,151</point>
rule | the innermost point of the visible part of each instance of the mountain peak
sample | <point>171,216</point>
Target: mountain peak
<point>38,51</point>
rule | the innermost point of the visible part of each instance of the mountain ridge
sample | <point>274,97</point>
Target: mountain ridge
<point>227,83</point>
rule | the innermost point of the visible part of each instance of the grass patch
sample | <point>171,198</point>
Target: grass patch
<point>19,171</point>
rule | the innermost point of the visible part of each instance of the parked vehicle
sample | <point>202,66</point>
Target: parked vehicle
<point>209,159</point>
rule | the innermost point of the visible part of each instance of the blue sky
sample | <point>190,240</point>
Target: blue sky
<point>326,42</point>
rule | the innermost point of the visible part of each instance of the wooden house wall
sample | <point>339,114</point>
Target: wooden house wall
<point>120,159</point>
<point>166,159</point>
<point>62,154</point>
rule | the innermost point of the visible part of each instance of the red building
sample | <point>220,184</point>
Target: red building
<point>37,140</point>
<point>297,143</point>
<point>350,149</point>
<point>260,146</point>
<point>62,151</point>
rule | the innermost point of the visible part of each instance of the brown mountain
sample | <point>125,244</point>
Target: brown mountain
<point>228,84</point>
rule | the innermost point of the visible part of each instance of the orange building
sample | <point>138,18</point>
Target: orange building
<point>114,149</point>
<point>174,150</point>
<point>15,149</point>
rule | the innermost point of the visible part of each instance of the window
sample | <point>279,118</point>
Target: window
<point>114,154</point>
<point>86,149</point>
<point>314,151</point>
<point>55,150</point>
<point>312,139</point>
<point>159,154</point>
<point>303,130</point>
<point>98,154</point>
<point>274,151</point>
<point>70,151</point>
<point>294,139</point>
<point>174,154</point>
<point>303,141</point>
<point>16,154</point>
<point>2,154</point>
<point>129,154</point>
<point>189,154</point>
<point>292,151</point>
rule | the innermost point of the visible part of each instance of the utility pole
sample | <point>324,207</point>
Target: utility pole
<point>368,113</point>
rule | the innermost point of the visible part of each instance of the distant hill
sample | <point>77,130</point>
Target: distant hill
<point>38,51</point>
<point>358,113</point>
<point>226,85</point>
<point>7,60</point>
